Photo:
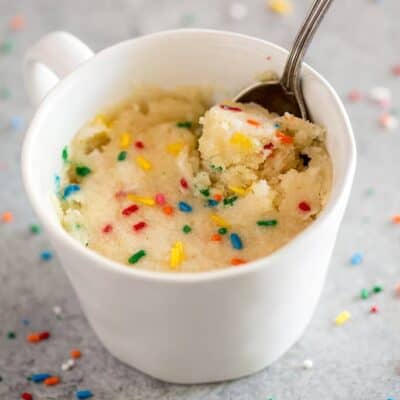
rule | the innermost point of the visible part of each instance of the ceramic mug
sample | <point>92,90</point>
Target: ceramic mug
<point>181,327</point>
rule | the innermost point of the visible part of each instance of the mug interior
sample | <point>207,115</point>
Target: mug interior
<point>225,61</point>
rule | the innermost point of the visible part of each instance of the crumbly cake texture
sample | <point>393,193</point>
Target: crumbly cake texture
<point>163,182</point>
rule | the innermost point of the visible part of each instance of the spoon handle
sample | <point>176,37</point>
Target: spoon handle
<point>291,75</point>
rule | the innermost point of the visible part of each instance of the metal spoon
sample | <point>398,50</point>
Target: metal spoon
<point>286,95</point>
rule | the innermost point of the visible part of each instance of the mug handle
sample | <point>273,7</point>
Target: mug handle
<point>49,60</point>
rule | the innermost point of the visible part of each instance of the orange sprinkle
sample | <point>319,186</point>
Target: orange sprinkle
<point>217,197</point>
<point>168,210</point>
<point>284,138</point>
<point>216,238</point>
<point>33,338</point>
<point>237,261</point>
<point>396,219</point>
<point>17,23</point>
<point>7,216</point>
<point>253,122</point>
<point>75,353</point>
<point>53,380</point>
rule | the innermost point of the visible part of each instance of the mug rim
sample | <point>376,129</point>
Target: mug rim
<point>179,277</point>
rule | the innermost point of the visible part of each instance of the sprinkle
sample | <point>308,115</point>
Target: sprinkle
<point>238,190</point>
<point>373,310</point>
<point>184,183</point>
<point>122,155</point>
<point>230,108</point>
<point>6,46</point>
<point>125,140</point>
<point>160,199</point>
<point>16,123</point>
<point>129,210</point>
<point>396,70</point>
<point>397,289</point>
<point>68,365</point>
<point>38,378</point>
<point>168,210</point>
<point>175,148</point>
<point>253,122</point>
<point>217,197</point>
<point>26,396</point>
<point>83,170</point>
<point>184,124</point>
<point>51,381</point>
<point>308,364</point>
<point>396,219</point>
<point>147,201</point>
<point>236,242</point>
<point>356,259</point>
<point>7,217</point>
<point>380,94</point>
<point>64,154</point>
<point>34,228</point>
<point>216,237</point>
<point>102,120</point>
<point>230,200</point>
<point>377,289</point>
<point>238,11</point>
<point>364,294</point>
<point>388,121</point>
<point>75,353</point>
<point>57,310</point>
<point>17,23</point>
<point>139,144</point>
<point>70,190</point>
<point>267,222</point>
<point>134,258</point>
<point>4,92</point>
<point>25,322</point>
<point>241,140</point>
<point>83,394</point>
<point>284,138</point>
<point>354,96</point>
<point>222,231</point>
<point>282,7</point>
<point>219,221</point>
<point>304,206</point>
<point>107,228</point>
<point>11,335</point>
<point>205,192</point>
<point>139,226</point>
<point>176,255</point>
<point>268,146</point>
<point>186,229</point>
<point>46,255</point>
<point>44,335</point>
<point>237,261</point>
<point>185,207</point>
<point>212,203</point>
<point>342,318</point>
<point>143,163</point>
<point>33,338</point>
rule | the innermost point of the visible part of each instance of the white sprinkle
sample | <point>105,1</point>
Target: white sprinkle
<point>68,365</point>
<point>308,364</point>
<point>57,310</point>
<point>238,11</point>
<point>380,95</point>
<point>71,362</point>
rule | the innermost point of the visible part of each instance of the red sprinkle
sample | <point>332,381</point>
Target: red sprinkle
<point>230,108</point>
<point>107,228</point>
<point>140,225</point>
<point>304,206</point>
<point>268,146</point>
<point>139,144</point>
<point>253,122</point>
<point>373,309</point>
<point>396,70</point>
<point>44,335</point>
<point>26,396</point>
<point>130,210</point>
<point>184,183</point>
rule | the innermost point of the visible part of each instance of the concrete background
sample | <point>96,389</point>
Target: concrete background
<point>355,49</point>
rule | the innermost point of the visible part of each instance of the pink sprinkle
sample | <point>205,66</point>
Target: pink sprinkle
<point>373,309</point>
<point>226,107</point>
<point>354,96</point>
<point>140,225</point>
<point>184,183</point>
<point>130,210</point>
<point>139,144</point>
<point>107,228</point>
<point>268,58</point>
<point>304,206</point>
<point>396,70</point>
<point>120,194</point>
<point>268,146</point>
<point>397,289</point>
<point>160,199</point>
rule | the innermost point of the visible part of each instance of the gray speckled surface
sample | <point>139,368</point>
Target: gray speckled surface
<point>356,47</point>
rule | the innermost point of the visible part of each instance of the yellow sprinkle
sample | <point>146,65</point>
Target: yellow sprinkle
<point>343,317</point>
<point>220,221</point>
<point>177,255</point>
<point>241,140</point>
<point>238,190</point>
<point>175,148</point>
<point>147,201</point>
<point>143,163</point>
<point>125,140</point>
<point>282,7</point>
<point>101,119</point>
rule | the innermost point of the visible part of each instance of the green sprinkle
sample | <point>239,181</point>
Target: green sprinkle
<point>377,289</point>
<point>184,124</point>
<point>6,46</point>
<point>64,154</point>
<point>205,192</point>
<point>364,294</point>
<point>11,335</point>
<point>35,228</point>
<point>223,231</point>
<point>228,201</point>
<point>186,229</point>
<point>267,222</point>
<point>4,93</point>
<point>83,170</point>
<point>133,259</point>
<point>122,155</point>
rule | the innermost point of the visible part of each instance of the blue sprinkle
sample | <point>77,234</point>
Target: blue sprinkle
<point>277,126</point>
<point>356,259</point>
<point>37,378</point>
<point>236,241</point>
<point>71,189</point>
<point>16,123</point>
<point>25,322</point>
<point>212,203</point>
<point>83,394</point>
<point>185,207</point>
<point>46,255</point>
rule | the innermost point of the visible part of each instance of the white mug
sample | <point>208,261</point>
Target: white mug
<point>181,327</point>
